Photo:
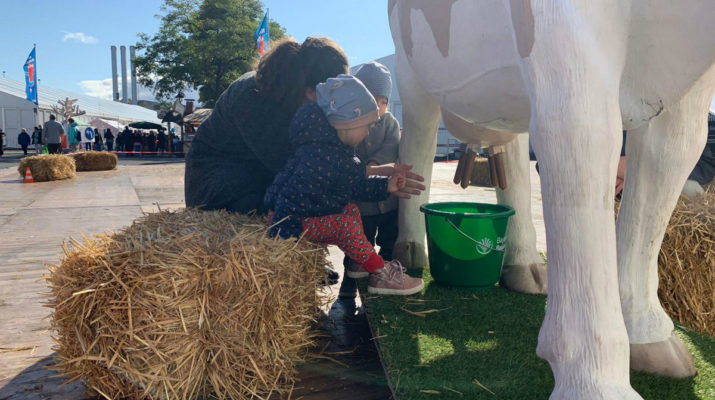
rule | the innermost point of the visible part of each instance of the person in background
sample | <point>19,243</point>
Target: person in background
<point>161,141</point>
<point>2,142</point>
<point>127,140</point>
<point>39,128</point>
<point>109,139</point>
<point>73,135</point>
<point>151,141</point>
<point>37,140</point>
<point>313,196</point>
<point>98,142</point>
<point>51,135</point>
<point>137,142</point>
<point>379,219</point>
<point>24,140</point>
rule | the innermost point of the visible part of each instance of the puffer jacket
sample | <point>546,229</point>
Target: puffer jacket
<point>72,134</point>
<point>321,178</point>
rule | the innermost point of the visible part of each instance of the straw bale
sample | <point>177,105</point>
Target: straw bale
<point>686,262</point>
<point>48,167</point>
<point>95,161</point>
<point>186,305</point>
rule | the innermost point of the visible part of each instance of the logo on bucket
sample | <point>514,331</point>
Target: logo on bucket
<point>485,246</point>
<point>501,243</point>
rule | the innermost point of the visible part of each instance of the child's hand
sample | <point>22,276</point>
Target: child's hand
<point>395,183</point>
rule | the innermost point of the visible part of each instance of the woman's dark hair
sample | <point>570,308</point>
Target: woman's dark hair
<point>322,59</point>
<point>278,74</point>
<point>288,68</point>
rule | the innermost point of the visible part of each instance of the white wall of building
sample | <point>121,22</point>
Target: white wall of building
<point>15,114</point>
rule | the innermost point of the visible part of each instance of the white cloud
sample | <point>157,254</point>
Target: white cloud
<point>80,37</point>
<point>103,89</point>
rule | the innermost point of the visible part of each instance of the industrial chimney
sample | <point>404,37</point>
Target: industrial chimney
<point>115,78</point>
<point>132,56</point>
<point>123,52</point>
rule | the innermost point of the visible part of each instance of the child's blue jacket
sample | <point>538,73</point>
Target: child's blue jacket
<point>321,178</point>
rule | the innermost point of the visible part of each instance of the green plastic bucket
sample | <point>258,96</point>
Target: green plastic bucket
<point>466,242</point>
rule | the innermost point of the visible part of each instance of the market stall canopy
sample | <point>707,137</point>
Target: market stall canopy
<point>145,125</point>
<point>172,116</point>
<point>197,117</point>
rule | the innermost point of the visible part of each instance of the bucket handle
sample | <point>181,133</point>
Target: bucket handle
<point>482,245</point>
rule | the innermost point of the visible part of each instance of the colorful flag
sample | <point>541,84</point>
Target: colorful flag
<point>261,36</point>
<point>31,77</point>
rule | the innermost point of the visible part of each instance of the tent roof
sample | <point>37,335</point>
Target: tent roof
<point>94,106</point>
<point>198,116</point>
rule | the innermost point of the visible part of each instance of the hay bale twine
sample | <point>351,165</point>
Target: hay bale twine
<point>48,167</point>
<point>184,305</point>
<point>686,263</point>
<point>95,161</point>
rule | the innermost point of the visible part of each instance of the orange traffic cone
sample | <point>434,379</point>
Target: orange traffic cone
<point>28,176</point>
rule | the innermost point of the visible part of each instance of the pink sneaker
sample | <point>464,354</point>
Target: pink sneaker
<point>391,279</point>
<point>355,271</point>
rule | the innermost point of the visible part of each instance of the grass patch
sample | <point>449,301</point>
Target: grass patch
<point>484,341</point>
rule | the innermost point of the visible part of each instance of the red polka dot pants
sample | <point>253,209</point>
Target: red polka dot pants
<point>345,231</point>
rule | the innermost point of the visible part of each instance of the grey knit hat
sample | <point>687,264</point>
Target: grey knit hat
<point>376,77</point>
<point>346,102</point>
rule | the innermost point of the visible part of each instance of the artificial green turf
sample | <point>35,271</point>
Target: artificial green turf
<point>490,336</point>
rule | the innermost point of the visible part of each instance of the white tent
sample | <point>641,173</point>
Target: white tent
<point>102,124</point>
<point>17,113</point>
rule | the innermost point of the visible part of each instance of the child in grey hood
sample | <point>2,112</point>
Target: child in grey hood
<point>379,219</point>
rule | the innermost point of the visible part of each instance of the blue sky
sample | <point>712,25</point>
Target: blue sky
<point>73,37</point>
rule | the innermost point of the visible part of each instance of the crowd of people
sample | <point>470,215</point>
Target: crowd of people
<point>47,138</point>
<point>141,141</point>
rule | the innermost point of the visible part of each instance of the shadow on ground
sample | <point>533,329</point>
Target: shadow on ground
<point>36,382</point>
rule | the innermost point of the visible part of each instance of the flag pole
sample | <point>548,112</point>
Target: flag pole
<point>37,87</point>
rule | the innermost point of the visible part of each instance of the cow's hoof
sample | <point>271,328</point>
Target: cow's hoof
<point>529,279</point>
<point>411,254</point>
<point>669,358</point>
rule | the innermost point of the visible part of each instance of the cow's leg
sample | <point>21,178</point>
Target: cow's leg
<point>660,156</point>
<point>524,270</point>
<point>420,119</point>
<point>572,67</point>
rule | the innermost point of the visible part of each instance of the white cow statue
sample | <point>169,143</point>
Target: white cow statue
<point>573,74</point>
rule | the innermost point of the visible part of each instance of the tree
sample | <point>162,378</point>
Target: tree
<point>67,109</point>
<point>204,44</point>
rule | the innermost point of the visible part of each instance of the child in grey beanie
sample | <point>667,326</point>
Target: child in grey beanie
<point>376,77</point>
<point>380,147</point>
<point>346,102</point>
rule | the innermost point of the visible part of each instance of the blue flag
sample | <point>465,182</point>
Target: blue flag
<point>31,77</point>
<point>261,36</point>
